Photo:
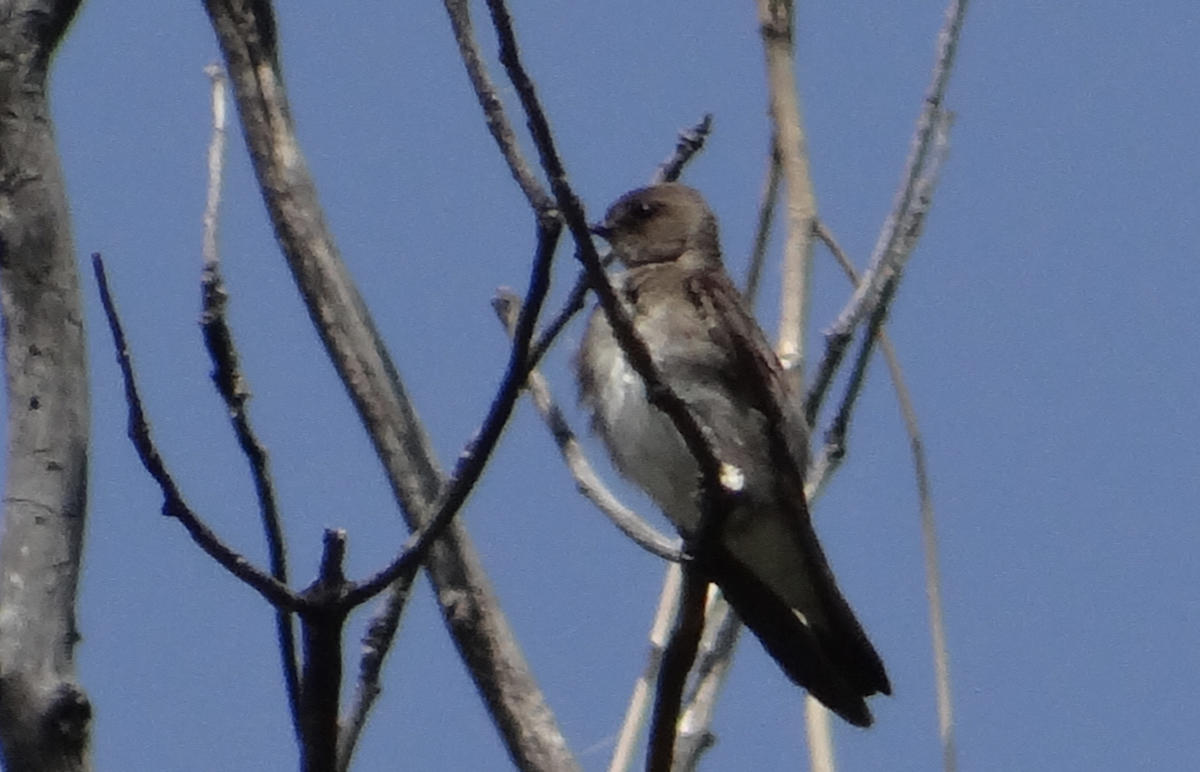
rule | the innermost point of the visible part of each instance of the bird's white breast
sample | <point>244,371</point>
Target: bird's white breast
<point>643,441</point>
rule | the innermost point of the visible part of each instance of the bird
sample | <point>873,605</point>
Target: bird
<point>711,353</point>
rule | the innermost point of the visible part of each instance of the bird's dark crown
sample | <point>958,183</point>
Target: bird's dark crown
<point>660,224</point>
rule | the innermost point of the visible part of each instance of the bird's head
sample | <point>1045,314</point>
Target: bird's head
<point>661,224</point>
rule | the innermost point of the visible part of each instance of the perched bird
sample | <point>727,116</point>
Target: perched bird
<point>712,354</point>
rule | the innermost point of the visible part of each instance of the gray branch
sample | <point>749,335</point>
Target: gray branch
<point>44,712</point>
<point>245,32</point>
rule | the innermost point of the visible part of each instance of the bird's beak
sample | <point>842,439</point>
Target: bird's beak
<point>601,229</point>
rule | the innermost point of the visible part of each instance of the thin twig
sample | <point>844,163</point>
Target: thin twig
<point>933,574</point>
<point>906,241</point>
<point>892,247</point>
<point>231,384</point>
<point>334,303</point>
<point>929,539</point>
<point>507,306</point>
<point>493,108</point>
<point>835,435</point>
<point>216,163</point>
<point>886,258</point>
<point>576,301</point>
<point>691,141</point>
<point>376,643</point>
<point>762,229</point>
<point>277,594</point>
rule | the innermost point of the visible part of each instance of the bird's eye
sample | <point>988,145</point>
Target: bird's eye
<point>642,210</point>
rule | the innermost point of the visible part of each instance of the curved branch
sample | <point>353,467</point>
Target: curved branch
<point>472,461</point>
<point>929,538</point>
<point>277,594</point>
<point>507,306</point>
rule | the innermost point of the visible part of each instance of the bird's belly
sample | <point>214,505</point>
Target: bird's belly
<point>645,444</point>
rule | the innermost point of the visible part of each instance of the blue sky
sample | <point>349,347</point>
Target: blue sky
<point>1047,326</point>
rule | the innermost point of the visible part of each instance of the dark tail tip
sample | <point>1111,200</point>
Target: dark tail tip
<point>839,671</point>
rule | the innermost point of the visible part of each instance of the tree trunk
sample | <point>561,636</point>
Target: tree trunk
<point>44,713</point>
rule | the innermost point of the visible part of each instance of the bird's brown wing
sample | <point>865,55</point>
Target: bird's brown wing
<point>755,423</point>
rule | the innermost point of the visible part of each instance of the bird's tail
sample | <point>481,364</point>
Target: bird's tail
<point>833,660</point>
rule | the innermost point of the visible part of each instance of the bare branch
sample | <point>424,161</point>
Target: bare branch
<point>906,242</point>
<point>719,634</point>
<point>334,304</point>
<point>400,573</point>
<point>506,305</point>
<point>174,506</point>
<point>45,715</point>
<point>691,142</point>
<point>887,258</point>
<point>895,241</point>
<point>469,606</point>
<point>819,734</point>
<point>216,163</point>
<point>493,108</point>
<point>933,574</point>
<point>776,20</point>
<point>677,662</point>
<point>762,229</point>
<point>473,460</point>
<point>231,385</point>
<point>722,629</point>
<point>933,580</point>
<point>643,689</point>
<point>322,622</point>
<point>574,304</point>
<point>835,435</point>
<point>376,643</point>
